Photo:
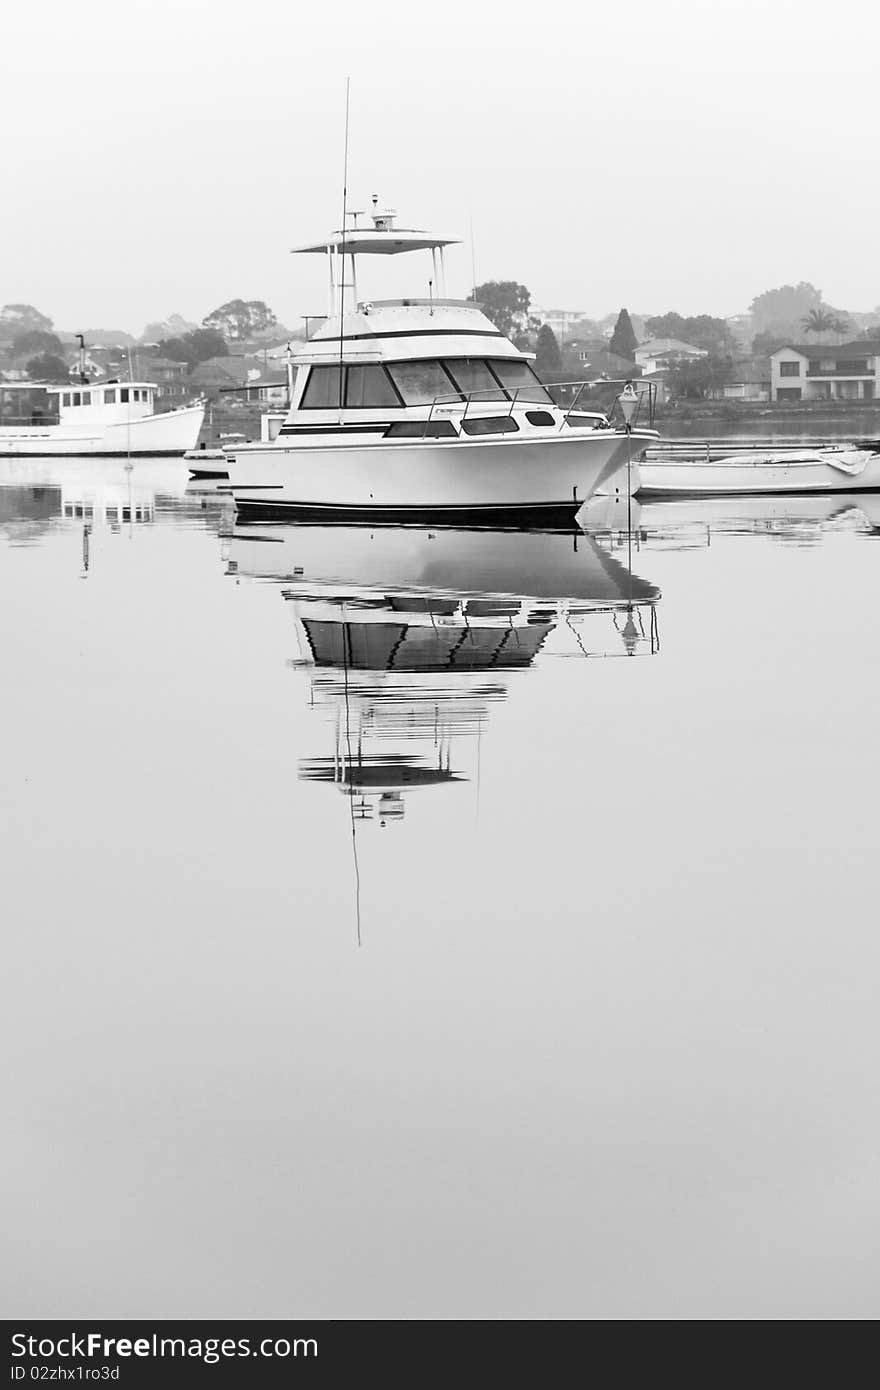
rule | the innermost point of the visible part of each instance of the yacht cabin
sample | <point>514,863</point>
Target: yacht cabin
<point>112,402</point>
<point>403,369</point>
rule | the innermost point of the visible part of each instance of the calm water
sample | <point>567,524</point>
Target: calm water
<point>384,937</point>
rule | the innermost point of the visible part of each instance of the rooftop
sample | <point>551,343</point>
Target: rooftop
<point>654,347</point>
<point>862,347</point>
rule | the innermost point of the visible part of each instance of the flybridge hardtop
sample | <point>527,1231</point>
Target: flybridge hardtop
<point>382,239</point>
<point>421,408</point>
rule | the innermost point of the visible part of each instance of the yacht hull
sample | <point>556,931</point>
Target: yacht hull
<point>536,481</point>
<point>166,435</point>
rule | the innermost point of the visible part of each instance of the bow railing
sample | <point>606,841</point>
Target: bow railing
<point>593,399</point>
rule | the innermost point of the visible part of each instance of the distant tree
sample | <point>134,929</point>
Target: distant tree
<point>548,358</point>
<point>35,340</point>
<point>195,347</point>
<point>22,318</point>
<point>841,325</point>
<point>665,326</point>
<point>763,344</point>
<point>175,326</point>
<point>700,330</point>
<point>781,311</point>
<point>623,339</point>
<point>693,381</point>
<point>506,304</point>
<point>818,320</point>
<point>48,366</point>
<point>240,319</point>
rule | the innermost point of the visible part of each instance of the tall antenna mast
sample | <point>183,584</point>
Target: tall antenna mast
<point>344,221</point>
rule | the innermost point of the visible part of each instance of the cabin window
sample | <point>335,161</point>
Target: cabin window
<point>539,417</point>
<point>123,394</point>
<point>87,397</point>
<point>65,399</point>
<point>76,398</point>
<point>420,383</point>
<point>420,429</point>
<point>368,388</point>
<point>322,389</point>
<point>489,424</point>
<point>472,374</point>
<point>109,397</point>
<point>516,375</point>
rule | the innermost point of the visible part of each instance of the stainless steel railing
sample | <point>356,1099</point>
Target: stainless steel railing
<point>542,395</point>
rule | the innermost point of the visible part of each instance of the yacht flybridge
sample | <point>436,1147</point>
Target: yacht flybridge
<point>420,409</point>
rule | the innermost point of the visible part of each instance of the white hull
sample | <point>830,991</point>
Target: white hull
<point>155,435</point>
<point>547,476</point>
<point>844,470</point>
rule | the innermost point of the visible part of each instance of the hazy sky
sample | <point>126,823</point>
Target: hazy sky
<point>661,156</point>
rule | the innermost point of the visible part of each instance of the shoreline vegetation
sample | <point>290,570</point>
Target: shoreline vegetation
<point>771,412</point>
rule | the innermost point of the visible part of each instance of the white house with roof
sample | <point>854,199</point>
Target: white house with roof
<point>658,353</point>
<point>819,372</point>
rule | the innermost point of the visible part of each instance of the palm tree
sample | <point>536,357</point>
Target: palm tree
<point>819,321</point>
<point>840,325</point>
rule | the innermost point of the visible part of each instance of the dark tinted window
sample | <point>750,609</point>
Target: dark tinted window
<point>123,394</point>
<point>322,389</point>
<point>517,375</point>
<point>490,424</point>
<point>539,417</point>
<point>419,429</point>
<point>419,383</point>
<point>368,387</point>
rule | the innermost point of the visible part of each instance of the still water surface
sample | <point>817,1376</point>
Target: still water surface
<point>437,924</point>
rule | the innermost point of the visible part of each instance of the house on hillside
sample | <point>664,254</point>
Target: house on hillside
<point>172,379</point>
<point>658,354</point>
<point>818,372</point>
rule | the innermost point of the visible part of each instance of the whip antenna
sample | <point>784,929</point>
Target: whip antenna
<point>344,222</point>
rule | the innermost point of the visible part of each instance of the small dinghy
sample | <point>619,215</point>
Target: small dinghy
<point>831,468</point>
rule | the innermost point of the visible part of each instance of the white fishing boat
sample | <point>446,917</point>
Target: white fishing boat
<point>421,409</point>
<point>88,419</point>
<point>824,468</point>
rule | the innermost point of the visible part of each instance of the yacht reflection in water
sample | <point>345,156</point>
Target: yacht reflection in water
<point>411,635</point>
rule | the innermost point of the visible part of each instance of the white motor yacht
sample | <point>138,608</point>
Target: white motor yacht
<point>421,409</point>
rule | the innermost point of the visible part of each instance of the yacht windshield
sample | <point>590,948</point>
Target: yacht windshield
<point>420,383</point>
<point>517,375</point>
<point>472,374</point>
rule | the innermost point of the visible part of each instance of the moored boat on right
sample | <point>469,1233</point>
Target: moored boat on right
<point>825,468</point>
